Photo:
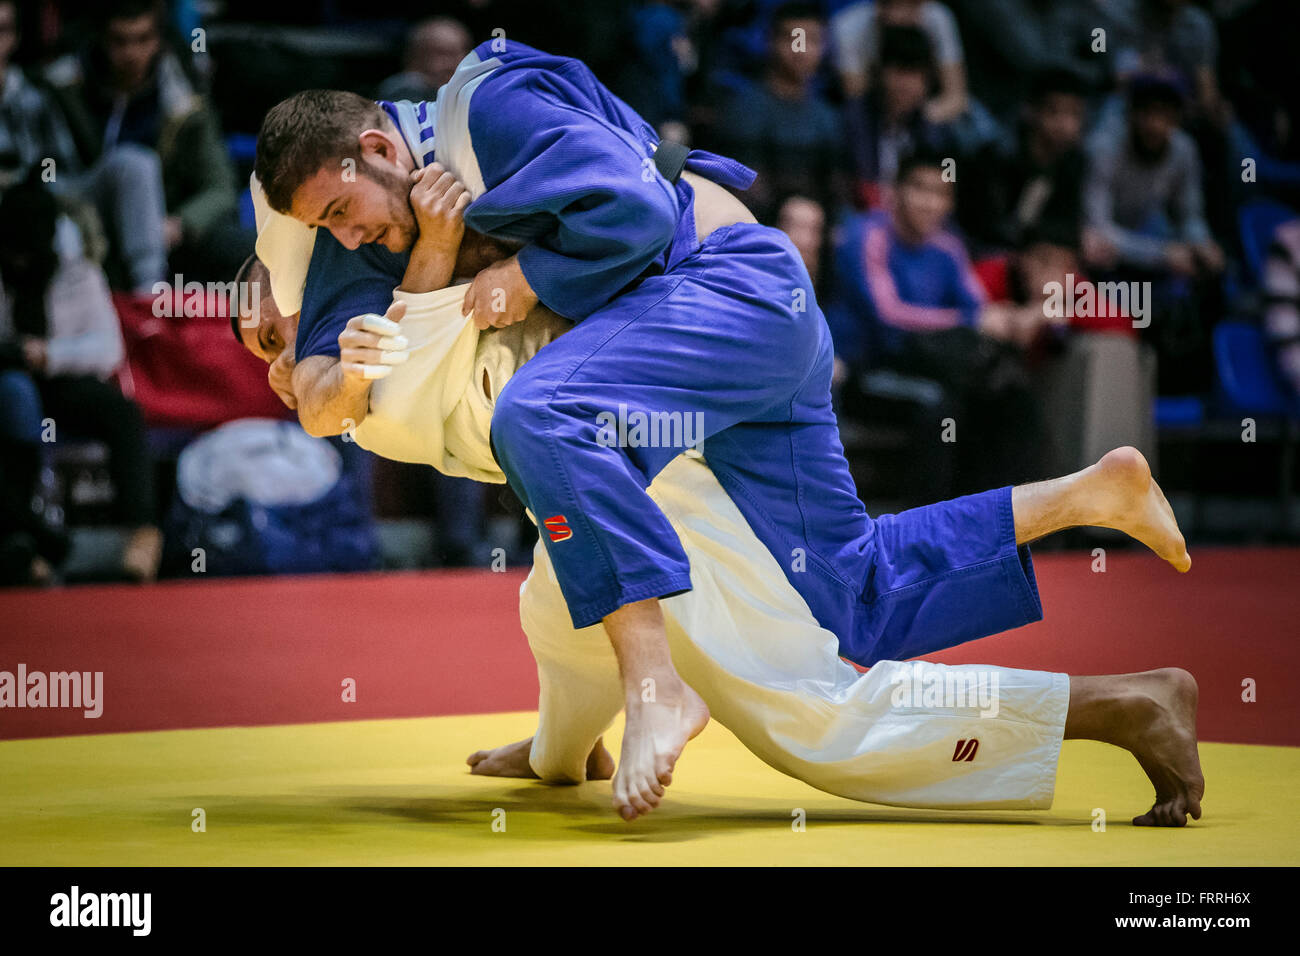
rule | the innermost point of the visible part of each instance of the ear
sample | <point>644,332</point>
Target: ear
<point>378,144</point>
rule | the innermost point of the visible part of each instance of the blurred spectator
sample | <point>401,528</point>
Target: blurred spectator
<point>158,160</point>
<point>1143,200</point>
<point>670,44</point>
<point>1094,379</point>
<point>909,304</point>
<point>1145,223</point>
<point>1009,42</point>
<point>779,126</point>
<point>1176,36</point>
<point>804,221</point>
<point>434,48</point>
<point>1282,301</point>
<point>1035,182</point>
<point>32,128</point>
<point>857,32</point>
<point>890,121</point>
<point>60,332</point>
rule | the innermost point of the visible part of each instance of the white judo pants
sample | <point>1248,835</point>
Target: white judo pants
<point>908,734</point>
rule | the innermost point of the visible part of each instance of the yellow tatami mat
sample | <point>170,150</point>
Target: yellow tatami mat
<point>397,792</point>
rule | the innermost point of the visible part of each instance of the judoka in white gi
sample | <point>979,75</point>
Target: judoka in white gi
<point>904,733</point>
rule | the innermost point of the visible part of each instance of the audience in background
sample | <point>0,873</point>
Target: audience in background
<point>857,33</point>
<point>33,132</point>
<point>1034,181</point>
<point>1145,223</point>
<point>804,221</point>
<point>890,121</point>
<point>434,48</point>
<point>58,331</point>
<point>160,168</point>
<point>1009,42</point>
<point>910,303</point>
<point>780,126</point>
<point>1097,137</point>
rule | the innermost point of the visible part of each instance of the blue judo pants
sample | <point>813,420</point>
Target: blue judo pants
<point>731,345</point>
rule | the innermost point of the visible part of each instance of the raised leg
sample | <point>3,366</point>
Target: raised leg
<point>1117,492</point>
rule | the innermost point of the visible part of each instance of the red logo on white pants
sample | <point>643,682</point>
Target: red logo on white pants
<point>965,750</point>
<point>558,528</point>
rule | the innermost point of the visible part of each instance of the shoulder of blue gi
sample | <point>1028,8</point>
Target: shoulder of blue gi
<point>567,168</point>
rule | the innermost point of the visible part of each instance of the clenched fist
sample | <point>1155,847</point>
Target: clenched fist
<point>438,200</point>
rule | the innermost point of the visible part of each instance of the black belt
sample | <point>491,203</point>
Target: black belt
<point>670,160</point>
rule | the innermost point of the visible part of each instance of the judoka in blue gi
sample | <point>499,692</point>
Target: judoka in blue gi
<point>686,310</point>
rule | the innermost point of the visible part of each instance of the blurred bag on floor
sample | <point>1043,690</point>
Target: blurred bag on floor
<point>258,496</point>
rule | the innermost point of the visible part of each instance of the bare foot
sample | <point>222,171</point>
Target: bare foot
<point>1120,493</point>
<point>512,761</point>
<point>1164,742</point>
<point>508,761</point>
<point>655,735</point>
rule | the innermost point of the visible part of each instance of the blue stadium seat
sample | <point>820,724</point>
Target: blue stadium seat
<point>1247,378</point>
<point>1179,411</point>
<point>1257,222</point>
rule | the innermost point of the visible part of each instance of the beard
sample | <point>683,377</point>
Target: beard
<point>401,221</point>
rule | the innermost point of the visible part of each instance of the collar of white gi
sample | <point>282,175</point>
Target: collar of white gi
<point>284,245</point>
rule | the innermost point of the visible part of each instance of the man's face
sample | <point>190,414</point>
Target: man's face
<point>801,63</point>
<point>438,49</point>
<point>272,333</point>
<point>923,202</point>
<point>803,221</point>
<point>1059,120</point>
<point>8,34</point>
<point>1153,127</point>
<point>132,45</point>
<point>371,206</point>
<point>269,335</point>
<point>904,89</point>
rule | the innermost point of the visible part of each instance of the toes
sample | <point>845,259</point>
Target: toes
<point>476,757</point>
<point>664,770</point>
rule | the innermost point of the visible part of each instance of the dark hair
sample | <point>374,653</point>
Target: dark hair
<point>794,11</point>
<point>919,158</point>
<point>307,131</point>
<point>905,48</point>
<point>1156,89</point>
<point>131,10</point>
<point>1058,81</point>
